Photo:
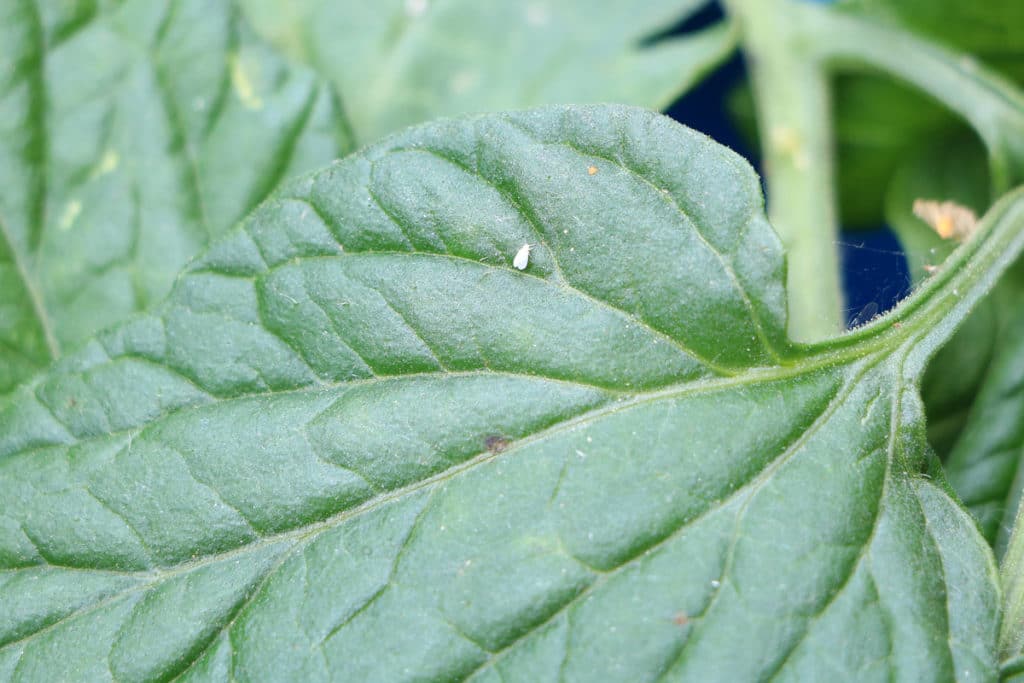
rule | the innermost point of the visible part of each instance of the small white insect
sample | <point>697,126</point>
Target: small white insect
<point>522,257</point>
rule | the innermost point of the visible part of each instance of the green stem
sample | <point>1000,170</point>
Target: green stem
<point>992,105</point>
<point>792,47</point>
<point>929,317</point>
<point>794,117</point>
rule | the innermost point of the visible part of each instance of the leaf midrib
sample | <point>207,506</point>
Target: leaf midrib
<point>667,197</point>
<point>894,424</point>
<point>603,576</point>
<point>700,387</point>
<point>37,213</point>
<point>32,289</point>
<point>297,537</point>
<point>871,346</point>
<point>909,324</point>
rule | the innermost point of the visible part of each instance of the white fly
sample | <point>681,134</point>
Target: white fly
<point>522,257</point>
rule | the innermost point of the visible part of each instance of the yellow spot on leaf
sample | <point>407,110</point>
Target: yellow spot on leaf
<point>242,83</point>
<point>592,170</point>
<point>71,211</point>
<point>787,141</point>
<point>108,163</point>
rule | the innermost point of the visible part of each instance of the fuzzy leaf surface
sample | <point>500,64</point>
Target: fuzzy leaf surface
<point>974,387</point>
<point>356,444</point>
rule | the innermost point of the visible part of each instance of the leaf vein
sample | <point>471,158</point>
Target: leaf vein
<point>392,218</point>
<point>563,282</point>
<point>726,263</point>
<point>125,520</point>
<point>391,572</point>
<point>743,490</point>
<point>212,489</point>
<point>338,335</point>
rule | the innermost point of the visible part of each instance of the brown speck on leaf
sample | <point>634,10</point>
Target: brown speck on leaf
<point>681,619</point>
<point>496,443</point>
<point>591,170</point>
<point>897,325</point>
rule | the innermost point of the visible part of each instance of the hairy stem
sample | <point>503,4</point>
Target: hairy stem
<point>794,116</point>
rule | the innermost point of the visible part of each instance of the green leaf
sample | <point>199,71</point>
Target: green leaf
<point>992,30</point>
<point>131,134</point>
<point>401,62</point>
<point>356,443</point>
<point>954,172</point>
<point>984,464</point>
<point>880,122</point>
<point>992,104</point>
<point>973,389</point>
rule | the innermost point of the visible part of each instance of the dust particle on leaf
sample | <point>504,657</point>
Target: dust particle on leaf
<point>70,214</point>
<point>592,170</point>
<point>242,82</point>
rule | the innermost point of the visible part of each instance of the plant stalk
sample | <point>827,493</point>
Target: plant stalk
<point>794,117</point>
<point>991,104</point>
